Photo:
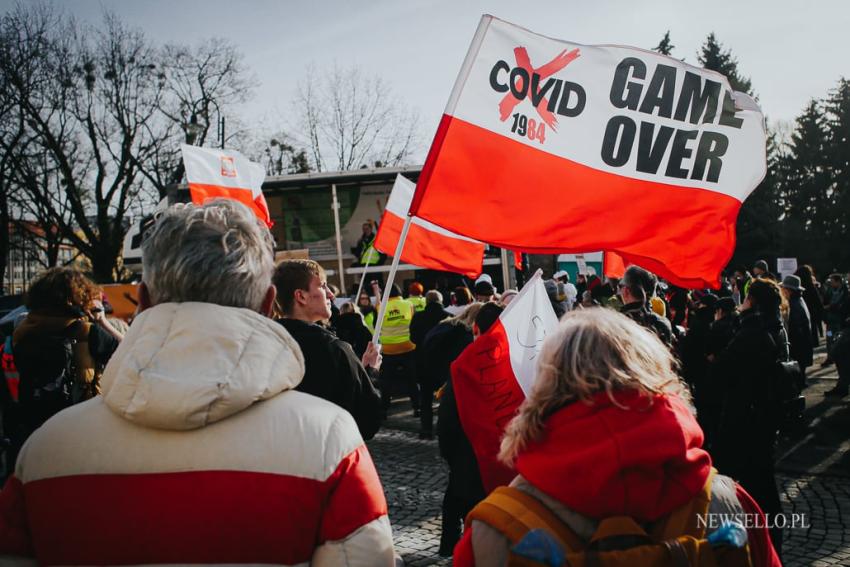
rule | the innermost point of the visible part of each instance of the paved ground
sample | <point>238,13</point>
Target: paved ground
<point>813,473</point>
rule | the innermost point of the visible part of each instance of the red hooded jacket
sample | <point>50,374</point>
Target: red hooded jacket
<point>642,460</point>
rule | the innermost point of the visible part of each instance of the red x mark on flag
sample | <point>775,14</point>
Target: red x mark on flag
<point>560,61</point>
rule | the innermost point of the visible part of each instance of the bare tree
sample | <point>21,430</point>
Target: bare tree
<point>94,119</point>
<point>277,153</point>
<point>348,120</point>
<point>203,84</point>
<point>88,101</point>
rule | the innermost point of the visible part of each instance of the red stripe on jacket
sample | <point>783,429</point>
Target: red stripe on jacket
<point>188,517</point>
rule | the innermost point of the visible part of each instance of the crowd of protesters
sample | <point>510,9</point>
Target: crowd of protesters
<point>227,424</point>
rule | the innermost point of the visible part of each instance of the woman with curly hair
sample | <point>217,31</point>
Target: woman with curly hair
<point>608,431</point>
<point>65,332</point>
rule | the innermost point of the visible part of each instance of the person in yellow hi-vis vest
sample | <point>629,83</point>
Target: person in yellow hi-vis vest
<point>398,371</point>
<point>364,251</point>
<point>414,295</point>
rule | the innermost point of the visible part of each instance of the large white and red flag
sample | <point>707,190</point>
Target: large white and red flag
<point>427,245</point>
<point>494,374</point>
<point>557,147</point>
<point>215,173</point>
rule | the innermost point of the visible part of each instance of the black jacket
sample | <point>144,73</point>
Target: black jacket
<point>695,346</point>
<point>464,475</point>
<point>747,371</point>
<point>800,331</point>
<point>443,345</point>
<point>642,315</point>
<point>425,320</point>
<point>837,306</point>
<point>334,373</point>
<point>813,296</point>
<point>720,334</point>
<point>351,329</point>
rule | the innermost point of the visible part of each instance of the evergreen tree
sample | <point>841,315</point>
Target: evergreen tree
<point>712,56</point>
<point>666,47</point>
<point>805,198</point>
<point>838,159</point>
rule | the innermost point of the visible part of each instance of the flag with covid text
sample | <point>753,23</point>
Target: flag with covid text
<point>556,147</point>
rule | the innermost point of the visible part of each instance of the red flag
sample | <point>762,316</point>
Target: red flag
<point>558,148</point>
<point>613,264</point>
<point>492,376</point>
<point>215,173</point>
<point>427,245</point>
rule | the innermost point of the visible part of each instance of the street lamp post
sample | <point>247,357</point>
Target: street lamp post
<point>219,121</point>
<point>193,129</point>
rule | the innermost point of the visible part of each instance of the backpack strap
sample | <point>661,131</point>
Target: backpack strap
<point>683,520</point>
<point>514,513</point>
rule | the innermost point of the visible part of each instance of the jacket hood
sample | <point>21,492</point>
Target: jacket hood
<point>602,460</point>
<point>182,366</point>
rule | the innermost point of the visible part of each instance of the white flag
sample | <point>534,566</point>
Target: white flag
<point>527,320</point>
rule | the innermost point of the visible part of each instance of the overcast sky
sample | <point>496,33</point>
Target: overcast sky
<point>793,51</point>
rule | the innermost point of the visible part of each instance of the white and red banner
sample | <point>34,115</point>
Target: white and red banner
<point>556,147</point>
<point>494,374</point>
<point>427,245</point>
<point>215,173</point>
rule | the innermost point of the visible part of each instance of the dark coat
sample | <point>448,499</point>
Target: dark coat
<point>442,346</point>
<point>642,315</point>
<point>837,307</point>
<point>425,320</point>
<point>813,296</point>
<point>720,334</point>
<point>744,445</point>
<point>351,329</point>
<point>800,331</point>
<point>455,448</point>
<point>695,345</point>
<point>746,369</point>
<point>334,373</point>
<point>708,398</point>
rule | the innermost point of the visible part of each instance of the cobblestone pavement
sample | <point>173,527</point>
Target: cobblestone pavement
<point>813,472</point>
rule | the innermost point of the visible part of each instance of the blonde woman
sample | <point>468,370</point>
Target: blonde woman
<point>606,431</point>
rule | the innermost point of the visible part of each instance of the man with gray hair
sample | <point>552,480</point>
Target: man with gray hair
<point>199,450</point>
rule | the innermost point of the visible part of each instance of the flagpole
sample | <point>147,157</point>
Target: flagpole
<point>506,273</point>
<point>379,323</point>
<point>362,279</point>
<point>335,207</point>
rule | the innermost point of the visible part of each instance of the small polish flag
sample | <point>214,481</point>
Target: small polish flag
<point>427,245</point>
<point>215,173</point>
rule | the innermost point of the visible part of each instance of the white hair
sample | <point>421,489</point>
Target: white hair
<point>218,252</point>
